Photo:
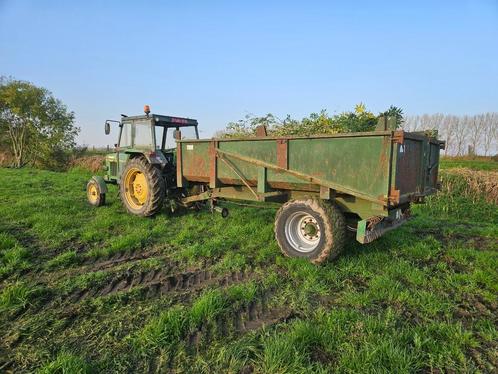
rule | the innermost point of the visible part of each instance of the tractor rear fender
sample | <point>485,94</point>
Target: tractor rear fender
<point>101,182</point>
<point>151,157</point>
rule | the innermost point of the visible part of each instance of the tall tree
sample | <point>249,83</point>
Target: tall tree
<point>33,123</point>
<point>490,132</point>
<point>476,131</point>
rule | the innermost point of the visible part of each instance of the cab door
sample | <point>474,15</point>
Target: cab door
<point>125,143</point>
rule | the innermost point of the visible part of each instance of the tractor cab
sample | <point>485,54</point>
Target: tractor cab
<point>148,136</point>
<point>152,132</point>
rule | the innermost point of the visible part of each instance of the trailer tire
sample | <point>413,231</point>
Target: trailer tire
<point>311,228</point>
<point>142,188</point>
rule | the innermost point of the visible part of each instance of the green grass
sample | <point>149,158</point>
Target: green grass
<point>421,298</point>
<point>163,332</point>
<point>16,296</point>
<point>479,163</point>
<point>66,363</point>
<point>13,256</point>
<point>64,259</point>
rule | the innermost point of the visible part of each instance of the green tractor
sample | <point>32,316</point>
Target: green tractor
<point>142,165</point>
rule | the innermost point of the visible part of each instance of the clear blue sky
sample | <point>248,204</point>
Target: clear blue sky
<point>219,60</point>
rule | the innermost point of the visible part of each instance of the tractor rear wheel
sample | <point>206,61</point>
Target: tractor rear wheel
<point>311,228</point>
<point>142,188</point>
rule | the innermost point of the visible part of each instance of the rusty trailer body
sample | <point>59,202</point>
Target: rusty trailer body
<point>364,182</point>
<point>373,175</point>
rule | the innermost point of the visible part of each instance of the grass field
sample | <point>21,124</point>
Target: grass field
<point>477,163</point>
<point>97,290</point>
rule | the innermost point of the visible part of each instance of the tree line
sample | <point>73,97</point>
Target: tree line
<point>464,135</point>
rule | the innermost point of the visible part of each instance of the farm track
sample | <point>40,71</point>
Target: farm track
<point>38,250</point>
<point>21,234</point>
<point>119,258</point>
<point>160,282</point>
<point>232,325</point>
<point>246,318</point>
<point>481,243</point>
<point>180,287</point>
<point>473,307</point>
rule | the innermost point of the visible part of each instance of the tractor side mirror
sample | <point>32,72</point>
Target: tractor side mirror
<point>107,128</point>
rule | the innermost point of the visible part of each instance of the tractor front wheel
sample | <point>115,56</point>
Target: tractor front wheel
<point>94,193</point>
<point>311,228</point>
<point>142,188</point>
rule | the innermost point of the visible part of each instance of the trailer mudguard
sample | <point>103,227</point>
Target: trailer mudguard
<point>373,228</point>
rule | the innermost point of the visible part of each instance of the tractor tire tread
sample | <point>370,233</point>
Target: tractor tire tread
<point>156,186</point>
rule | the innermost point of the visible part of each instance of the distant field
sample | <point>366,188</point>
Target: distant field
<point>98,290</point>
<point>477,164</point>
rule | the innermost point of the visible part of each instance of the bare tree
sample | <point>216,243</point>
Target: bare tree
<point>447,132</point>
<point>476,128</point>
<point>411,123</point>
<point>490,132</point>
<point>475,133</point>
<point>461,134</point>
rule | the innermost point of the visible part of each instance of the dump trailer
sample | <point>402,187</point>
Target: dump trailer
<point>326,184</point>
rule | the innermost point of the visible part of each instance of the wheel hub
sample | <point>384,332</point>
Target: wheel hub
<point>140,188</point>
<point>309,228</point>
<point>136,188</point>
<point>92,193</point>
<point>302,232</point>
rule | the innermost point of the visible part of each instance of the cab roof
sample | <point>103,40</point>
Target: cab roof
<point>160,120</point>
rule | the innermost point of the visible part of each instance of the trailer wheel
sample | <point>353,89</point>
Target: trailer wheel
<point>310,228</point>
<point>94,194</point>
<point>141,188</point>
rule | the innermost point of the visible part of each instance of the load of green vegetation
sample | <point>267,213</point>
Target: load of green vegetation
<point>359,120</point>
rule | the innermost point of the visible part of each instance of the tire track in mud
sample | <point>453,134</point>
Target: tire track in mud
<point>96,263</point>
<point>471,308</point>
<point>446,239</point>
<point>160,282</point>
<point>179,287</point>
<point>91,263</point>
<point>151,284</point>
<point>253,316</point>
<point>37,252</point>
<point>230,326</point>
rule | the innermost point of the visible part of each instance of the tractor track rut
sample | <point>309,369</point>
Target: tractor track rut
<point>230,326</point>
<point>158,282</point>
